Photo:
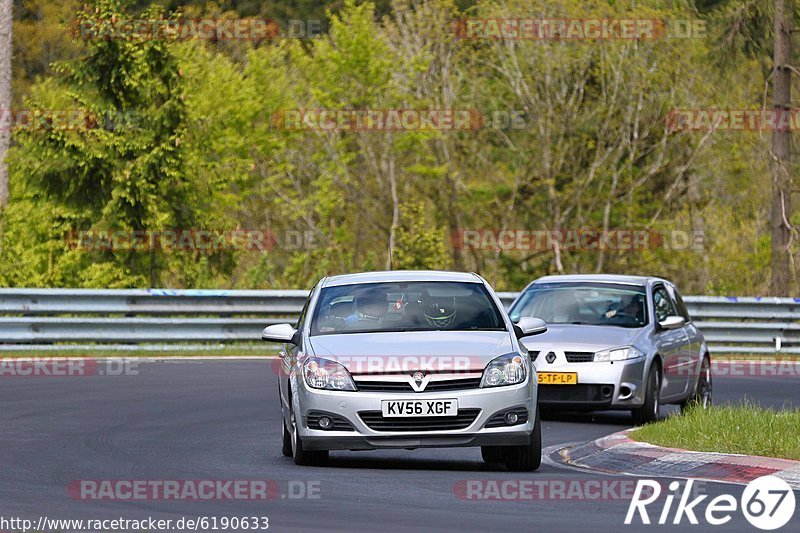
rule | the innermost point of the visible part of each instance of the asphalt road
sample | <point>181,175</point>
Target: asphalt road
<point>198,420</point>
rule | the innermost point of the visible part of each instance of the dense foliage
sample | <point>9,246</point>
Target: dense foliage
<point>186,134</point>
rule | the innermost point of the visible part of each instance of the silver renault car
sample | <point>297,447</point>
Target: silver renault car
<point>615,342</point>
<point>407,359</point>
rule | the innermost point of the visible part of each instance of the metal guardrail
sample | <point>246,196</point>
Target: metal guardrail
<point>748,324</point>
<point>176,319</point>
<point>150,301</point>
<point>156,319</point>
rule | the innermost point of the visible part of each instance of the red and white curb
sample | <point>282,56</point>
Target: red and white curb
<point>619,454</point>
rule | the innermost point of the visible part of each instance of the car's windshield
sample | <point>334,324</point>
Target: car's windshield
<point>412,306</point>
<point>598,304</point>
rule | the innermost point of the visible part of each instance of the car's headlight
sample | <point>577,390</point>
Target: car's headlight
<point>325,374</point>
<point>618,354</point>
<point>505,370</point>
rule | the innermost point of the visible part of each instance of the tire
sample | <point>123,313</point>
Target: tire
<point>302,456</point>
<point>529,456</point>
<point>702,395</point>
<point>286,448</point>
<point>651,407</point>
<point>492,454</point>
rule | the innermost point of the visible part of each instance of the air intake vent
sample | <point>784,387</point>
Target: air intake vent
<point>376,421</point>
<point>579,357</point>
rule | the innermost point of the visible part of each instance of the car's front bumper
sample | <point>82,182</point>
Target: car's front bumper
<point>359,409</point>
<point>605,385</point>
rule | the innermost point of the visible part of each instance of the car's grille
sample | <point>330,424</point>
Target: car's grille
<point>579,357</point>
<point>499,419</point>
<point>580,393</point>
<point>433,386</point>
<point>376,421</point>
<point>340,423</point>
<point>534,354</point>
<point>454,384</point>
<point>383,386</point>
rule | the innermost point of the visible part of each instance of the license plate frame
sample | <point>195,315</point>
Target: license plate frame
<point>407,408</point>
<point>557,378</point>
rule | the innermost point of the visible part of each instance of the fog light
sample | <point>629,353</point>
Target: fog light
<point>511,418</point>
<point>324,422</point>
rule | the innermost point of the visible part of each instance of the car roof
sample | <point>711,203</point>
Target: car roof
<point>640,281</point>
<point>400,276</point>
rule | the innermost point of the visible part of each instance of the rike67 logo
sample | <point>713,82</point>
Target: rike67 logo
<point>767,503</point>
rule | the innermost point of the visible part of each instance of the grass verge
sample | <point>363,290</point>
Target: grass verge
<point>745,428</point>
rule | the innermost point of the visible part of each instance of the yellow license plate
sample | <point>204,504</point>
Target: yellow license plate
<point>558,378</point>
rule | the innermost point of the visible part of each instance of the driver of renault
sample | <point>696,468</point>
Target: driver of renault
<point>632,308</point>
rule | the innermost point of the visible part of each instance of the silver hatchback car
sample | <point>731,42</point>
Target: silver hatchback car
<point>407,359</point>
<point>615,342</point>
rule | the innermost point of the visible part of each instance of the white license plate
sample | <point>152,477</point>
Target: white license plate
<point>393,408</point>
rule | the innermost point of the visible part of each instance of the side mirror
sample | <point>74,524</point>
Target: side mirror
<point>672,322</point>
<point>282,333</point>
<point>527,325</point>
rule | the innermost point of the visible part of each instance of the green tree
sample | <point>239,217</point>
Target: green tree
<point>124,167</point>
<point>420,243</point>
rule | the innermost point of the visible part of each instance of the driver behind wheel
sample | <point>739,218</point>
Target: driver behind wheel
<point>632,309</point>
<point>371,308</point>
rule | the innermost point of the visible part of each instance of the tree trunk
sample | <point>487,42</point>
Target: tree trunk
<point>395,205</point>
<point>153,266</point>
<point>6,7</point>
<point>781,146</point>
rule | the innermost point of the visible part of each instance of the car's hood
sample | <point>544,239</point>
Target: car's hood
<point>412,350</point>
<point>582,338</point>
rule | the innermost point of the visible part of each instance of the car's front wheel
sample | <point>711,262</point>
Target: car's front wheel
<point>529,456</point>
<point>651,407</point>
<point>702,391</point>
<point>302,456</point>
<point>286,448</point>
